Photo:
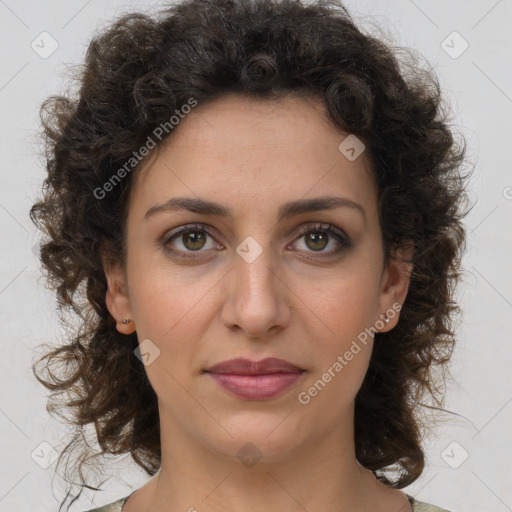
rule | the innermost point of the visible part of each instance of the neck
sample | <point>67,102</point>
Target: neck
<point>320,474</point>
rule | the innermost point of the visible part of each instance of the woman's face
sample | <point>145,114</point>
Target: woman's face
<point>250,284</point>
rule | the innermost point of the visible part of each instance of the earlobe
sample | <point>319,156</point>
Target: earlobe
<point>117,299</point>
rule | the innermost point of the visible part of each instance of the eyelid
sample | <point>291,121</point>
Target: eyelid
<point>324,226</point>
<point>168,235</point>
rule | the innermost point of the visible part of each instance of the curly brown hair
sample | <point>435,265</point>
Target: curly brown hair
<point>142,68</point>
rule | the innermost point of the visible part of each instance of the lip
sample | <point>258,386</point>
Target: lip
<point>241,366</point>
<point>255,380</point>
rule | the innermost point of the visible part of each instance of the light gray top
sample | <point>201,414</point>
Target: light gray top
<point>417,506</point>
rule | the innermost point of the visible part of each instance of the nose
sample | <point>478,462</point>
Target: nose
<point>257,297</point>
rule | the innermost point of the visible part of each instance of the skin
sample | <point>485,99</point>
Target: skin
<point>252,156</point>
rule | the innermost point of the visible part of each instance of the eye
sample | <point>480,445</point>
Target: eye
<point>193,238</point>
<point>318,237</point>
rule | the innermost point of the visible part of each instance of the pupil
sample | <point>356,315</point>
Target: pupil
<point>195,237</point>
<point>316,238</point>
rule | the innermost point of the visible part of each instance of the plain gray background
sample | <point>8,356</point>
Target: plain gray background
<point>477,81</point>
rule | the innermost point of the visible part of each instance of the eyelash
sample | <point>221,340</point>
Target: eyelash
<point>338,235</point>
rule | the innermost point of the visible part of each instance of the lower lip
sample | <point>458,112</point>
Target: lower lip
<point>256,387</point>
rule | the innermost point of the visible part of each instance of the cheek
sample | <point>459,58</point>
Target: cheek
<point>341,355</point>
<point>344,304</point>
<point>170,317</point>
<point>171,308</point>
<point>344,314</point>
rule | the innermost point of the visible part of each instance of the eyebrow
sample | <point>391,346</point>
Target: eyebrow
<point>287,210</point>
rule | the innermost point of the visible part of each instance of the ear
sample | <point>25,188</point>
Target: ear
<point>394,287</point>
<point>117,298</point>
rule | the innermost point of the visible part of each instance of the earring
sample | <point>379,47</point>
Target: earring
<point>385,318</point>
<point>126,321</point>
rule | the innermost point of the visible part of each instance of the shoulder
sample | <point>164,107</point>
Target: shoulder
<point>419,506</point>
<point>116,506</point>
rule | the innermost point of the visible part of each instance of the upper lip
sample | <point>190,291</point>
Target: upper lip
<point>266,366</point>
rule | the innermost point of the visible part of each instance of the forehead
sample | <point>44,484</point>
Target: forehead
<point>240,121</point>
<point>260,148</point>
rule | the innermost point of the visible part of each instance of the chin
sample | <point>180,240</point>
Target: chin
<point>263,439</point>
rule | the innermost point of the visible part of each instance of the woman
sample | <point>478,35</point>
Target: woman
<point>256,212</point>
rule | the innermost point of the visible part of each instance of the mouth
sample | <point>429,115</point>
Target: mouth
<point>242,366</point>
<point>256,380</point>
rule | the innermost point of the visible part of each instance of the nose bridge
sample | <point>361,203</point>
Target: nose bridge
<point>256,300</point>
<point>255,268</point>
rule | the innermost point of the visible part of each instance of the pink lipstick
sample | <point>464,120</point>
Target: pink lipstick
<point>255,380</point>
